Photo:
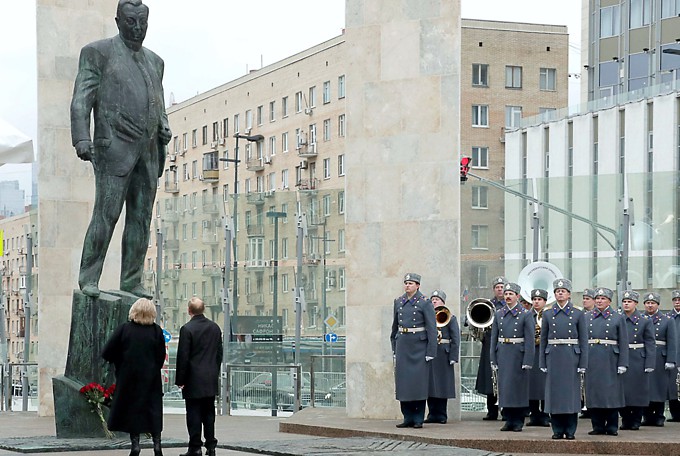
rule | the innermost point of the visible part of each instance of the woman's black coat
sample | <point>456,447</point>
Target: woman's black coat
<point>138,352</point>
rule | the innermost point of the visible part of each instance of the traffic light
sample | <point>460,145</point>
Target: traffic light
<point>464,168</point>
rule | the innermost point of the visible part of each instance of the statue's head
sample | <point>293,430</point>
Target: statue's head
<point>132,19</point>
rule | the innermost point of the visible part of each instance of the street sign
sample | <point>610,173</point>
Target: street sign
<point>331,337</point>
<point>167,336</point>
<point>331,321</point>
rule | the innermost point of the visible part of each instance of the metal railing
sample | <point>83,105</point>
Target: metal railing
<point>335,395</point>
<point>25,387</point>
<point>264,389</point>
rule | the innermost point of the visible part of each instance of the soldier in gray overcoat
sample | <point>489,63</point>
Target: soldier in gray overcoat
<point>588,301</point>
<point>414,345</point>
<point>483,383</point>
<point>537,415</point>
<point>442,376</point>
<point>607,362</point>
<point>641,359</point>
<point>564,357</point>
<point>512,352</point>
<point>662,387</point>
<point>674,404</point>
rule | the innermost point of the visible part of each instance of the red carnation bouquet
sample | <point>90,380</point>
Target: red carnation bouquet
<point>96,395</point>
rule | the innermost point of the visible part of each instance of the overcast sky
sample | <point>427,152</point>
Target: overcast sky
<point>206,43</point>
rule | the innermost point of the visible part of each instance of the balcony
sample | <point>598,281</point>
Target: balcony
<point>255,198</point>
<point>312,258</point>
<point>171,244</point>
<point>255,164</point>
<point>170,217</point>
<point>211,169</point>
<point>211,176</point>
<point>256,265</point>
<point>307,184</point>
<point>171,186</point>
<point>307,151</point>
<point>210,208</point>
<point>210,238</point>
<point>255,299</point>
<point>212,271</point>
<point>171,274</point>
<point>255,230</point>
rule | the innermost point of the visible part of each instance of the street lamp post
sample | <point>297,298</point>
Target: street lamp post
<point>275,310</point>
<point>236,161</point>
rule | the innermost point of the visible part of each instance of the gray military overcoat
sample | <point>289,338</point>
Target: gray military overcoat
<point>513,381</point>
<point>662,383</point>
<point>604,386</point>
<point>635,380</point>
<point>442,378</point>
<point>563,382</point>
<point>411,373</point>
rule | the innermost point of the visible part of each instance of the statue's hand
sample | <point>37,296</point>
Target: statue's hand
<point>165,135</point>
<point>85,150</point>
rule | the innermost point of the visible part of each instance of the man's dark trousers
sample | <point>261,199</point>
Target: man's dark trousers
<point>201,414</point>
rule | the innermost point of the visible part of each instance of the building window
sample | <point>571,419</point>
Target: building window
<point>272,111</point>
<point>284,247</point>
<point>341,125</point>
<point>326,203</point>
<point>640,13</point>
<point>225,157</point>
<point>312,97</point>
<point>480,116</point>
<point>237,127</point>
<point>284,107</point>
<point>175,142</point>
<point>284,142</point>
<point>259,114</point>
<point>480,237</point>
<point>225,192</point>
<point>480,157</point>
<point>225,128</point>
<point>341,165</point>
<point>327,130</point>
<point>480,74</point>
<point>480,198</point>
<point>194,169</point>
<point>670,8</point>
<point>326,168</point>
<point>513,116</point>
<point>204,134</point>
<point>341,240</point>
<point>249,120</point>
<point>548,79</point>
<point>185,142</point>
<point>341,202</point>
<point>326,92</point>
<point>341,86</point>
<point>479,277</point>
<point>194,138</point>
<point>272,146</point>
<point>298,102</point>
<point>284,179</point>
<point>610,20</point>
<point>216,131</point>
<point>185,171</point>
<point>513,77</point>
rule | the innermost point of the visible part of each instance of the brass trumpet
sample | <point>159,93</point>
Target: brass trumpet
<point>480,315</point>
<point>443,317</point>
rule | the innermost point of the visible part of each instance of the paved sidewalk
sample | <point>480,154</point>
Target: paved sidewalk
<point>326,432</point>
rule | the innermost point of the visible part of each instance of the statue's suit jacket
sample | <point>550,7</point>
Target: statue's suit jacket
<point>127,112</point>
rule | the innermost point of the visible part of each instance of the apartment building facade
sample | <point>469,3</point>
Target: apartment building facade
<point>509,70</point>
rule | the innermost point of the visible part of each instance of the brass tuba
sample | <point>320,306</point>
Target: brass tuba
<point>480,314</point>
<point>539,274</point>
<point>443,317</point>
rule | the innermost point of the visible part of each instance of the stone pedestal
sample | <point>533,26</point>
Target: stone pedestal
<point>403,195</point>
<point>92,323</point>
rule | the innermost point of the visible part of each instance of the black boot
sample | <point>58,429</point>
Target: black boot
<point>134,445</point>
<point>157,451</point>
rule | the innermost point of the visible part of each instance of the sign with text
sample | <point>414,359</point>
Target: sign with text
<point>260,328</point>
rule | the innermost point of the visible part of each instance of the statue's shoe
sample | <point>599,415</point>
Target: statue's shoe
<point>91,289</point>
<point>139,290</point>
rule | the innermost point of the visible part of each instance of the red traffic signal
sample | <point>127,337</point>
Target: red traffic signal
<point>464,168</point>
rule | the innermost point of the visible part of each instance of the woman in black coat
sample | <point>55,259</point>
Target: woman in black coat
<point>137,349</point>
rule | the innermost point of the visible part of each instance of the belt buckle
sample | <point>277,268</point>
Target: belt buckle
<point>506,340</point>
<point>404,330</point>
<point>597,341</point>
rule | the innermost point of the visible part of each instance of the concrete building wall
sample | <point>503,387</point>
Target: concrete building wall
<point>66,184</point>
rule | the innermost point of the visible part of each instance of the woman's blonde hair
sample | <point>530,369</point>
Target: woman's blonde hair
<point>143,311</point>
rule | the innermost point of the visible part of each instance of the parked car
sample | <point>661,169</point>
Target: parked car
<point>258,392</point>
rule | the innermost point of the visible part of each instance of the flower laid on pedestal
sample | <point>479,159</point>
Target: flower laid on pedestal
<point>97,396</point>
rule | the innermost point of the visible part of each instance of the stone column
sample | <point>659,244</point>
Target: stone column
<point>403,84</point>
<point>65,183</point>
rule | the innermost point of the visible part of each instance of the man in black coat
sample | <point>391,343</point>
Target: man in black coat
<point>199,356</point>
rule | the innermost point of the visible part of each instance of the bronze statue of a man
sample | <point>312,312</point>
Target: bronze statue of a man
<point>120,82</point>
